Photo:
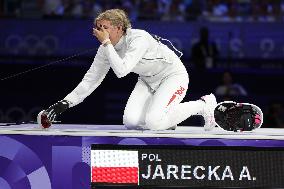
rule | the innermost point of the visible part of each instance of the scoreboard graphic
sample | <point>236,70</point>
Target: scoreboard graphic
<point>115,166</point>
<point>186,166</point>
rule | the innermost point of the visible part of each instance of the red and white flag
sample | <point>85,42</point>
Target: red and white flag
<point>114,166</point>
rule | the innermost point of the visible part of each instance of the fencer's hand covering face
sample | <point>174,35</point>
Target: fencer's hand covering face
<point>101,34</point>
<point>105,30</point>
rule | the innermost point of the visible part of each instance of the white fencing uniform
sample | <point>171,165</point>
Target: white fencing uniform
<point>162,84</point>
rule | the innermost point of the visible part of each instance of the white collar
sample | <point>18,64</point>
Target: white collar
<point>119,44</point>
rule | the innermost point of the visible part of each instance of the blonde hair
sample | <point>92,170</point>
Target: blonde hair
<point>117,17</point>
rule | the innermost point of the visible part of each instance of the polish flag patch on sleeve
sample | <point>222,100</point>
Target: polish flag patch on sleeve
<point>114,166</point>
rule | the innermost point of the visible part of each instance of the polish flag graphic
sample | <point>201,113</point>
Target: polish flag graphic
<point>114,166</point>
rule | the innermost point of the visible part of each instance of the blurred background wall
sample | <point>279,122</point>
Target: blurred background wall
<point>233,48</point>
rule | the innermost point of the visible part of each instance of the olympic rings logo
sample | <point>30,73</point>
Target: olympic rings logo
<point>18,114</point>
<point>31,44</point>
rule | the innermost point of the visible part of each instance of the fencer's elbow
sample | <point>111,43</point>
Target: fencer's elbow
<point>120,74</point>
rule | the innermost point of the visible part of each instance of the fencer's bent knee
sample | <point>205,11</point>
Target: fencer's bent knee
<point>130,120</point>
<point>153,121</point>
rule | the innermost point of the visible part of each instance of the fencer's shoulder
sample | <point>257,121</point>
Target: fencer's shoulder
<point>133,33</point>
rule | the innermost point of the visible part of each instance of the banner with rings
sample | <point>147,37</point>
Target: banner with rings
<point>19,114</point>
<point>66,37</point>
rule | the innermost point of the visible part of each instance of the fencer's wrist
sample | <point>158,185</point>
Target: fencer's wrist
<point>66,104</point>
<point>106,42</point>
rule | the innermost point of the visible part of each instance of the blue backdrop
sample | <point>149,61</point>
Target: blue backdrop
<point>65,37</point>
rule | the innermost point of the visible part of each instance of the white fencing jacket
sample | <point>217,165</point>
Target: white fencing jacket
<point>138,52</point>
